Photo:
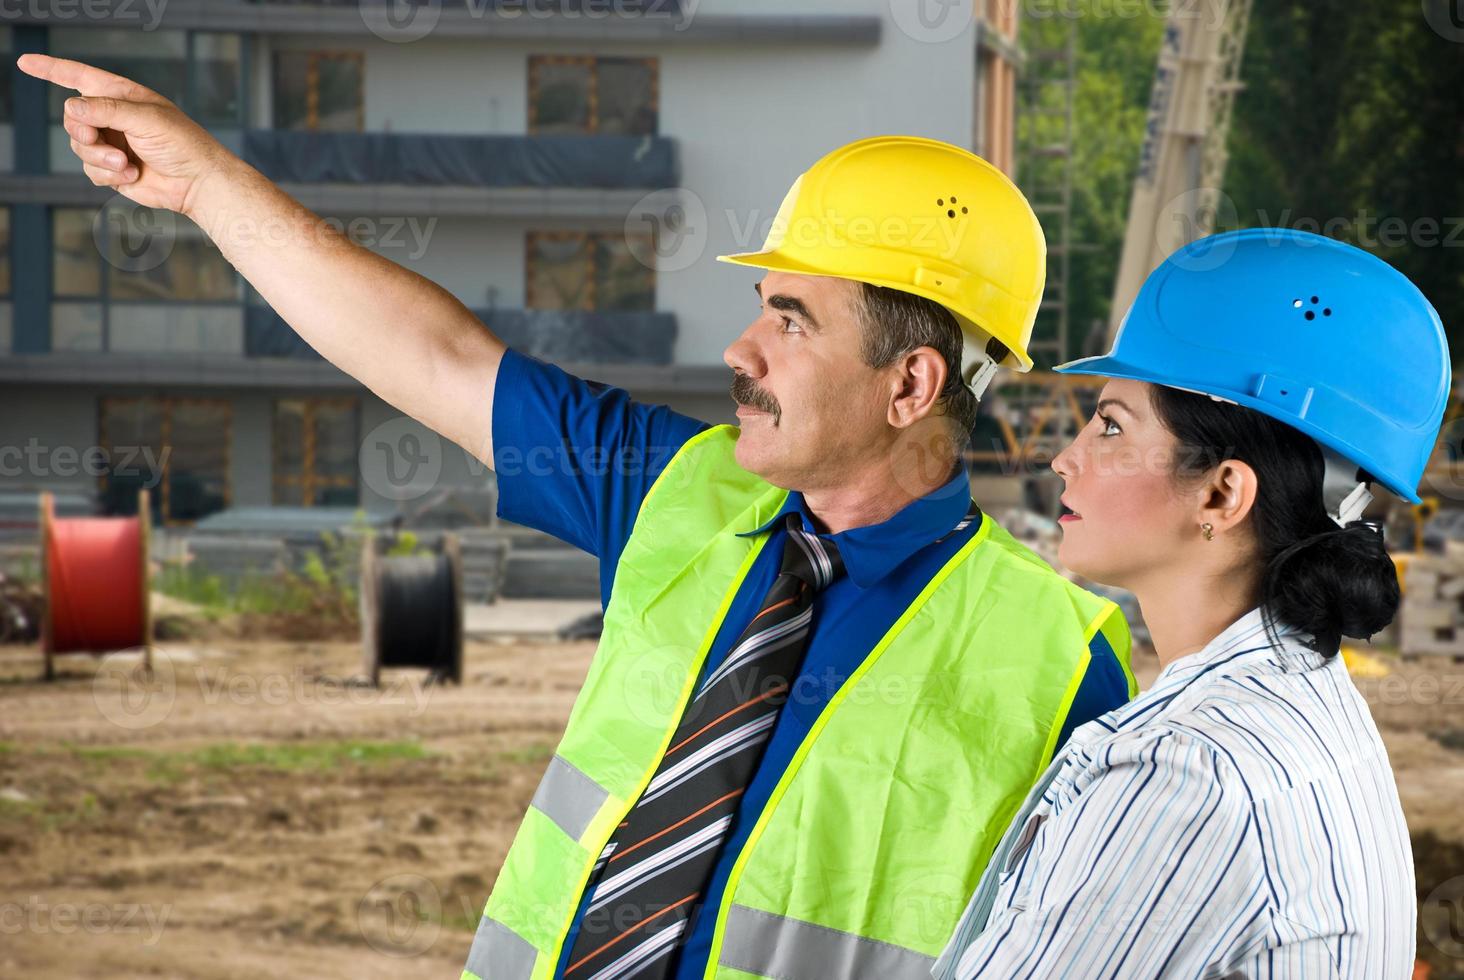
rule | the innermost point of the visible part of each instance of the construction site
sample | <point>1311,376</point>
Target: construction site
<point>268,707</point>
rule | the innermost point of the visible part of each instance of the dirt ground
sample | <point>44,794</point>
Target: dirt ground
<point>247,813</point>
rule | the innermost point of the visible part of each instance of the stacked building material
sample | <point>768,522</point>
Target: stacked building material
<point>1432,616</point>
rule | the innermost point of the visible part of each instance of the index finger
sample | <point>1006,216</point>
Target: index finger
<point>86,79</point>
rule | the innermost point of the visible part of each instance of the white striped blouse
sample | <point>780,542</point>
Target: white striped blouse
<point>1239,819</point>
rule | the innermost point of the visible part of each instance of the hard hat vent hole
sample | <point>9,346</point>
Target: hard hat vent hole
<point>1310,315</point>
<point>963,210</point>
<point>951,212</point>
<point>1315,301</point>
<point>1327,311</point>
<point>940,202</point>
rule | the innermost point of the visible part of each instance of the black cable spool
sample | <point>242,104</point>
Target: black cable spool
<point>412,611</point>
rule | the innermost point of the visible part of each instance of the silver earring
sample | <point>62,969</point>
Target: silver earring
<point>1209,530</point>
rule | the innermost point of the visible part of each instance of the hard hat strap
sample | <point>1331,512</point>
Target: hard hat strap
<point>981,380</point>
<point>1352,507</point>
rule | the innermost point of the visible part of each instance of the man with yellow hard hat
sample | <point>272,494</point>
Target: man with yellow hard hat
<point>826,679</point>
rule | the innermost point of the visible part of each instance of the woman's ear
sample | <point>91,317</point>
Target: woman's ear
<point>1227,497</point>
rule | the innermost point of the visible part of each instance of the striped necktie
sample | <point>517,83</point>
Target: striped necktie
<point>656,868</point>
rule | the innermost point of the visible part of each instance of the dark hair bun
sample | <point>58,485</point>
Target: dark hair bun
<point>1337,583</point>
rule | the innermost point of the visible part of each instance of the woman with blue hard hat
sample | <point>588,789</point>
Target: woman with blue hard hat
<point>1239,818</point>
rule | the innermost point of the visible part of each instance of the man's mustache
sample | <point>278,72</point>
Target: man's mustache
<point>746,391</point>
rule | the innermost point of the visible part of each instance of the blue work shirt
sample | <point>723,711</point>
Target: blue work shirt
<point>575,458</point>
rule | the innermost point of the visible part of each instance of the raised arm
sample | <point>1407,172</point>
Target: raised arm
<point>401,335</point>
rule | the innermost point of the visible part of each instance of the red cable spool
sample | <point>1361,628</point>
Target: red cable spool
<point>95,582</point>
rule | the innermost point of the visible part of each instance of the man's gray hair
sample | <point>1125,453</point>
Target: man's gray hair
<point>896,323</point>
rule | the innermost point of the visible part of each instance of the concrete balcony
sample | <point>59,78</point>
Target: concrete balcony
<point>442,160</point>
<point>563,336</point>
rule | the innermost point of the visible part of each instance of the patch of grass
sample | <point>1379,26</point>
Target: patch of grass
<point>173,767</point>
<point>307,755</point>
<point>50,815</point>
<point>14,809</point>
<point>538,752</point>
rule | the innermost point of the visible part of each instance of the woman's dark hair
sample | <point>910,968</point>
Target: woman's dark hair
<point>1329,581</point>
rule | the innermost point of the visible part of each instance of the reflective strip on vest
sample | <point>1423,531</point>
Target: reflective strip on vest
<point>770,945</point>
<point>569,797</point>
<point>499,953</point>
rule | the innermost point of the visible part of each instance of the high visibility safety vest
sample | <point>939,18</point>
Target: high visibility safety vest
<point>878,831</point>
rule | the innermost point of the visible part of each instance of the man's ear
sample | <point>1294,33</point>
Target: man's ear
<point>915,387</point>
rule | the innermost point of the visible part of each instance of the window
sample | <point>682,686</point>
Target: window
<point>315,450</point>
<point>76,266</point>
<point>76,274</point>
<point>4,253</point>
<point>611,96</point>
<point>157,59</point>
<point>193,270</point>
<point>199,70</point>
<point>587,271</point>
<point>319,90</point>
<point>177,446</point>
<point>157,285</point>
<point>150,256</point>
<point>216,88</point>
<point>6,311</point>
<point>7,105</point>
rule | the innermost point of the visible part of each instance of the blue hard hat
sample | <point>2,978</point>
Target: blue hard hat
<point>1314,333</point>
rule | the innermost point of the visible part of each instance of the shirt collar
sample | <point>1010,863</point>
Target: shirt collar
<point>872,552</point>
<point>1244,639</point>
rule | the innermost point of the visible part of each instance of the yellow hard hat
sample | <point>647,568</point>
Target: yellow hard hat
<point>923,217</point>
